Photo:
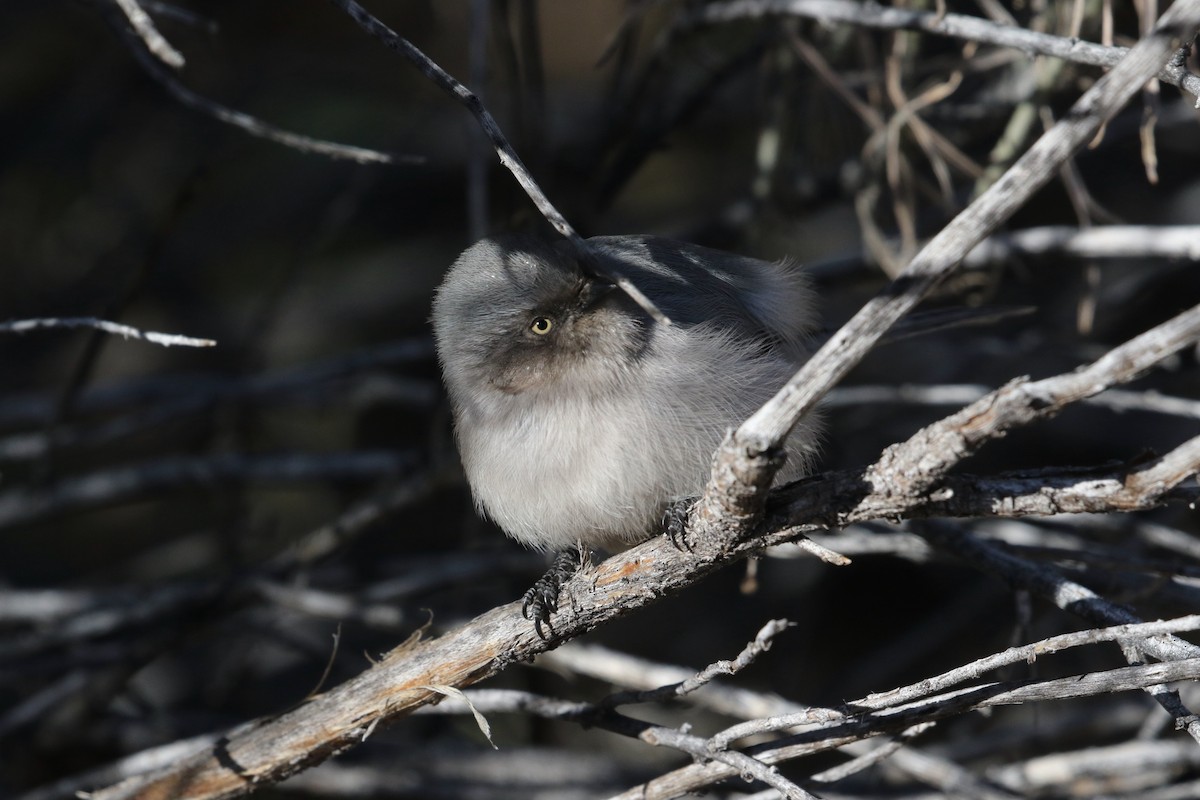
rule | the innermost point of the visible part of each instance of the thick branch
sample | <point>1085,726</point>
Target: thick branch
<point>961,394</point>
<point>270,749</point>
<point>918,463</point>
<point>1108,241</point>
<point>743,467</point>
<point>838,499</point>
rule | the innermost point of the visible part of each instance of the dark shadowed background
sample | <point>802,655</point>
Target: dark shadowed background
<point>162,573</point>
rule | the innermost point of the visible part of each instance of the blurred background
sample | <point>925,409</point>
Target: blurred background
<point>183,532</point>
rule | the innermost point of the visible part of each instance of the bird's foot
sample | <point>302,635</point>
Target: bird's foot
<point>675,523</point>
<point>541,599</point>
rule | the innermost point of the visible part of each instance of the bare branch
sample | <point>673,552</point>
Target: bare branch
<point>963,394</point>
<point>899,718</point>
<point>1028,653</point>
<point>622,669</point>
<point>1107,241</point>
<point>872,15</point>
<point>1049,583</point>
<point>508,156</point>
<point>178,394</point>
<point>115,328</point>
<point>156,402</point>
<point>245,122</point>
<point>761,643</point>
<point>179,14</point>
<point>1120,768</point>
<point>1077,599</point>
<point>136,764</point>
<point>944,682</point>
<point>747,766</point>
<point>746,462</point>
<point>66,617</point>
<point>1057,244</point>
<point>602,716</point>
<point>918,463</point>
<point>273,748</point>
<point>144,27</point>
<point>585,659</point>
<point>944,774</point>
<point>837,499</point>
<point>870,759</point>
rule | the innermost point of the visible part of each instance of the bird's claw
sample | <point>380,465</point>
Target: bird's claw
<point>675,523</point>
<point>540,601</point>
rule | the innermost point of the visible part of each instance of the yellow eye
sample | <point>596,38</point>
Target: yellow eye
<point>541,325</point>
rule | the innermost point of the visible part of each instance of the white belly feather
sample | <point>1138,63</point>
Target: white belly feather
<point>553,475</point>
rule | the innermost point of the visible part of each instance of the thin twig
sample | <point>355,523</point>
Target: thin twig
<point>745,765</point>
<point>1052,244</point>
<point>870,759</point>
<point>143,25</point>
<point>872,15</point>
<point>943,683</point>
<point>115,328</point>
<point>508,156</point>
<point>246,122</point>
<point>760,644</point>
<point>161,400</point>
<point>895,719</point>
<point>623,669</point>
<point>1077,599</point>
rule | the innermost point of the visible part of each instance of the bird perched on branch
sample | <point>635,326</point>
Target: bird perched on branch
<point>581,419</point>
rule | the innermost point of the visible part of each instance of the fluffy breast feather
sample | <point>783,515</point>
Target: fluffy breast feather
<point>552,469</point>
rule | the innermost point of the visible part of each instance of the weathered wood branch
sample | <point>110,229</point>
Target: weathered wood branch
<point>744,466</point>
<point>267,750</point>
<point>957,26</point>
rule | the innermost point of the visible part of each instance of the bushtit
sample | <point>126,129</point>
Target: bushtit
<point>579,419</point>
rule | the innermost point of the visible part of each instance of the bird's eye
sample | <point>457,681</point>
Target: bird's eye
<point>541,325</point>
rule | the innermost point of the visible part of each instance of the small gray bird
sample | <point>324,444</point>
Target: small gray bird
<point>581,420</point>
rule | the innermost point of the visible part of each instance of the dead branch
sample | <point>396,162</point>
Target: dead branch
<point>744,465</point>
<point>508,156</point>
<point>872,723</point>
<point>143,25</point>
<point>488,701</point>
<point>958,26</point>
<point>936,449</point>
<point>911,482</point>
<point>115,328</point>
<point>963,394</point>
<point>270,749</point>
<point>1108,241</point>
<point>148,56</point>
